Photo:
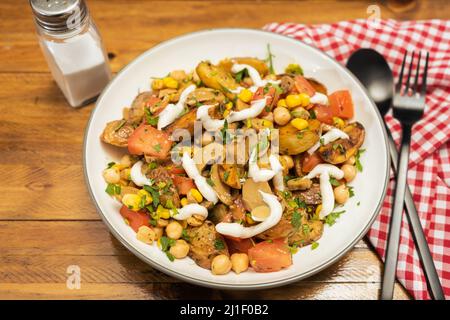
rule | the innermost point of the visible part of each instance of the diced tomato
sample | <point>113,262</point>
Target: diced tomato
<point>150,141</point>
<point>136,219</point>
<point>270,256</point>
<point>310,161</point>
<point>174,169</point>
<point>341,104</point>
<point>270,94</point>
<point>239,245</point>
<point>323,113</point>
<point>183,184</point>
<point>303,86</point>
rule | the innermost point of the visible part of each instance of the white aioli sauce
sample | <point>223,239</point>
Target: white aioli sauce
<point>137,176</point>
<point>210,124</point>
<point>254,75</point>
<point>318,98</point>
<point>239,231</point>
<point>278,181</point>
<point>260,175</point>
<point>172,111</point>
<point>189,210</point>
<point>191,170</point>
<point>325,171</point>
<point>328,137</point>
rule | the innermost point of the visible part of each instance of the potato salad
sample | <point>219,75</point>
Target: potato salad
<point>233,165</point>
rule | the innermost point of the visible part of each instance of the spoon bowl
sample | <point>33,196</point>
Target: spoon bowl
<point>372,70</point>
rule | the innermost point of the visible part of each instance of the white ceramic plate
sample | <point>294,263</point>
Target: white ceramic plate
<point>186,52</point>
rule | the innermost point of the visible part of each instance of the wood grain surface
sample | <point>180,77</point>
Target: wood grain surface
<point>47,220</point>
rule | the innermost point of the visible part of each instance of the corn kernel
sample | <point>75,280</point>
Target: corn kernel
<point>132,201</point>
<point>245,95</point>
<point>249,123</point>
<point>148,197</point>
<point>318,209</point>
<point>282,103</point>
<point>229,105</point>
<point>305,99</point>
<point>184,202</point>
<point>197,195</point>
<point>338,122</point>
<point>157,84</point>
<point>299,123</point>
<point>163,212</point>
<point>170,82</point>
<point>226,113</point>
<point>293,100</point>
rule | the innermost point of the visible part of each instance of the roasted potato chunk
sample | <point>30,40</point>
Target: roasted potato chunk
<point>231,175</point>
<point>137,109</point>
<point>203,244</point>
<point>186,121</point>
<point>258,64</point>
<point>217,78</point>
<point>117,133</point>
<point>222,190</point>
<point>205,96</point>
<point>310,230</point>
<point>293,141</point>
<point>341,150</point>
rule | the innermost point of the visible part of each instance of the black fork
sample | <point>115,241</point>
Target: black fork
<point>408,107</point>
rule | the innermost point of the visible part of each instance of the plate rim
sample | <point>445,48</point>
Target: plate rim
<point>236,286</point>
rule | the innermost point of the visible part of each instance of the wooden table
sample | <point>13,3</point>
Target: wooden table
<point>47,220</point>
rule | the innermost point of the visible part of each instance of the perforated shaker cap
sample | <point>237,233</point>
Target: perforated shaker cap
<point>59,15</point>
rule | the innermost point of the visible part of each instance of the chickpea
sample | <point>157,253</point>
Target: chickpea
<point>239,262</point>
<point>180,249</point>
<point>268,117</point>
<point>221,264</point>
<point>126,161</point>
<point>146,235</point>
<point>111,175</point>
<point>281,115</point>
<point>349,172</point>
<point>300,112</point>
<point>341,194</point>
<point>174,230</point>
<point>207,138</point>
<point>351,160</point>
<point>162,223</point>
<point>158,232</point>
<point>288,161</point>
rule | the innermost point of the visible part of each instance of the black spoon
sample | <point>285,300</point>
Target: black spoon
<point>373,71</point>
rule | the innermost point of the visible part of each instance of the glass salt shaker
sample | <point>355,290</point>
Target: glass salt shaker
<point>73,48</point>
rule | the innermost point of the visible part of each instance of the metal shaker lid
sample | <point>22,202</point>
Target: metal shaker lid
<point>59,15</point>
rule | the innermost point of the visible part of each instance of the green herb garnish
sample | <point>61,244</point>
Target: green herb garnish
<point>219,245</point>
<point>157,147</point>
<point>332,217</point>
<point>270,59</point>
<point>296,219</point>
<point>294,68</point>
<point>334,182</point>
<point>314,245</point>
<point>113,189</point>
<point>358,164</point>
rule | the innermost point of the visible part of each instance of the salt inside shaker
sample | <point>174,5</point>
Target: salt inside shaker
<point>72,47</point>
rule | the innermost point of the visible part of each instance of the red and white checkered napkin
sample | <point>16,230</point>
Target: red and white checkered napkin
<point>429,170</point>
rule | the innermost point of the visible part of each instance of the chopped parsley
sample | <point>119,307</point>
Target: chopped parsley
<point>226,138</point>
<point>332,217</point>
<point>306,229</point>
<point>241,75</point>
<point>269,59</point>
<point>113,189</point>
<point>334,182</point>
<point>157,147</point>
<point>226,175</point>
<point>121,124</point>
<point>314,245</point>
<point>210,182</point>
<point>294,68</point>
<point>219,245</point>
<point>358,164</point>
<point>322,141</point>
<point>185,235</point>
<point>154,193</point>
<point>166,243</point>
<point>111,164</point>
<point>151,120</point>
<point>312,114</point>
<point>351,193</point>
<point>296,219</point>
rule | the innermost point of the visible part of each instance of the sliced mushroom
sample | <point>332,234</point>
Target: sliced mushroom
<point>136,112</point>
<point>220,213</point>
<point>221,189</point>
<point>299,184</point>
<point>117,133</point>
<point>205,96</point>
<point>341,150</point>
<point>251,198</point>
<point>287,83</point>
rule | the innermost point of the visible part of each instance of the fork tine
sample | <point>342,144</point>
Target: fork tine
<point>416,80</point>
<point>409,74</point>
<point>425,74</point>
<point>398,87</point>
